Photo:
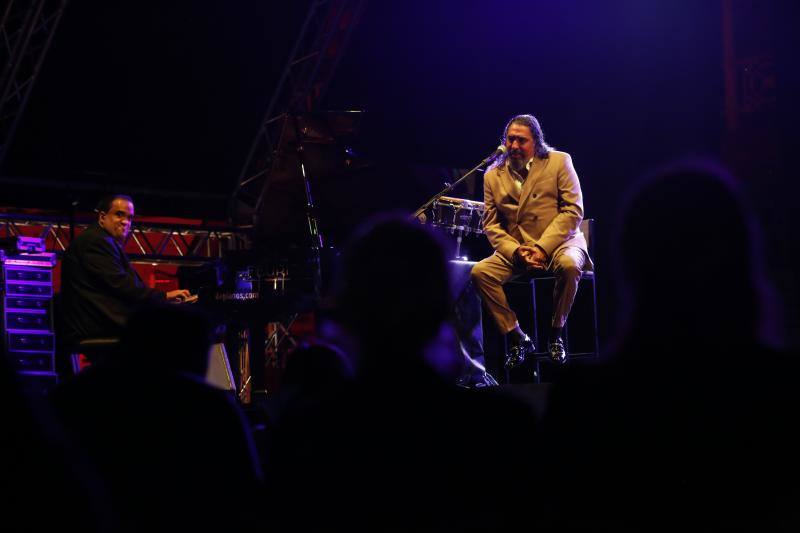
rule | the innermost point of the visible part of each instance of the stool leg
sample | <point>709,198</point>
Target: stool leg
<point>535,321</point>
<point>594,316</point>
<point>75,361</point>
<point>505,370</point>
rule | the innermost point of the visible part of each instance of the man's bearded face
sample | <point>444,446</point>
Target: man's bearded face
<point>521,146</point>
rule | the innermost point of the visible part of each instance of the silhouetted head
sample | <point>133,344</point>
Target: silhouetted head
<point>394,291</point>
<point>167,338</point>
<point>318,368</point>
<point>689,250</point>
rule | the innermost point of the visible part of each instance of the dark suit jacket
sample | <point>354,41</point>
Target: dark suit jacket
<point>99,287</point>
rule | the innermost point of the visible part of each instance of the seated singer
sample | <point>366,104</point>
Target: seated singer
<point>534,208</point>
<point>99,287</point>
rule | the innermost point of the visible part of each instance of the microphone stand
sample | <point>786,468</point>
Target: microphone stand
<point>450,186</point>
<point>467,379</point>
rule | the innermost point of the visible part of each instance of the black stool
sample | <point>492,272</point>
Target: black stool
<point>97,350</point>
<point>531,296</point>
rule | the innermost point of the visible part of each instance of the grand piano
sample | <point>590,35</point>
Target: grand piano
<point>259,293</point>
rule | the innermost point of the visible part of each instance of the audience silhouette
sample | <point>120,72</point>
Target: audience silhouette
<point>402,447</point>
<point>46,479</point>
<point>174,451</point>
<point>691,417</point>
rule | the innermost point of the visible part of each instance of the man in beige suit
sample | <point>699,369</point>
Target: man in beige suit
<point>534,208</point>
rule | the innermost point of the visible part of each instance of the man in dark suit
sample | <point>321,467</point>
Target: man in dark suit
<point>99,287</point>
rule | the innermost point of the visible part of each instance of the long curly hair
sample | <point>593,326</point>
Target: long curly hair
<point>541,148</point>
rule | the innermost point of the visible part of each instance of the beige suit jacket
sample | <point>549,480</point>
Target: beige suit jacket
<point>547,211</point>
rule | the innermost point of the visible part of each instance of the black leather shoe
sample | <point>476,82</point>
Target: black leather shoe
<point>557,352</point>
<point>517,353</point>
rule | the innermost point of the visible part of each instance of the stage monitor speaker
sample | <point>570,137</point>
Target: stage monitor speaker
<point>219,372</point>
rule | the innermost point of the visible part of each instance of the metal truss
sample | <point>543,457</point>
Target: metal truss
<point>279,343</point>
<point>277,333</point>
<point>26,31</point>
<point>322,41</point>
<point>156,243</point>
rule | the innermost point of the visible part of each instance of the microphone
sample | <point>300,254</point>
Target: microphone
<point>419,213</point>
<point>497,153</point>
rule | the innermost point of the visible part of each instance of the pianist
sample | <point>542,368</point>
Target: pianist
<point>99,287</point>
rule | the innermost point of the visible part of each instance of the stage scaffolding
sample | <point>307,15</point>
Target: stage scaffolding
<point>150,242</point>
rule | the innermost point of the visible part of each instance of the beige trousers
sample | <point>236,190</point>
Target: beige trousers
<point>490,274</point>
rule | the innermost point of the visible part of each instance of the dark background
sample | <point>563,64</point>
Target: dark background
<point>168,96</point>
